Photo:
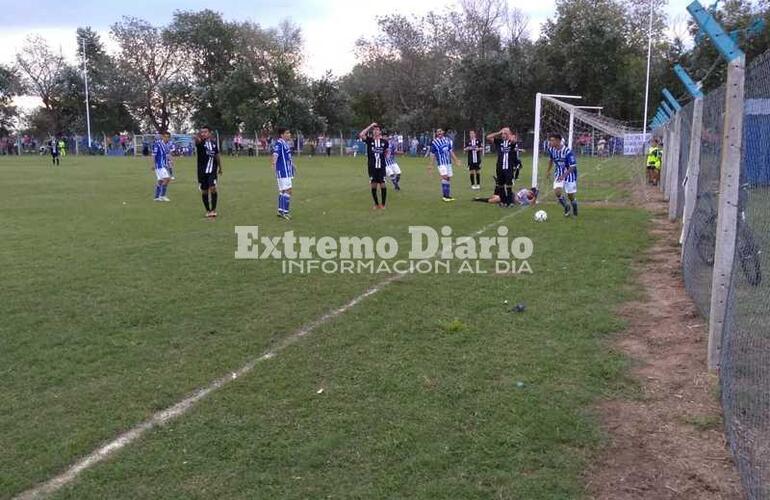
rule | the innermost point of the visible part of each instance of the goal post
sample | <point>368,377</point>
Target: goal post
<point>584,129</point>
<point>538,124</point>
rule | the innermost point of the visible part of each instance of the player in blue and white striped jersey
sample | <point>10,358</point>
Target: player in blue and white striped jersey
<point>170,158</point>
<point>161,154</point>
<point>392,170</point>
<point>283,164</point>
<point>443,156</point>
<point>563,161</point>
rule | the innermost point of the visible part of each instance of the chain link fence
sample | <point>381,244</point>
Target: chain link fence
<point>744,357</point>
<point>700,240</point>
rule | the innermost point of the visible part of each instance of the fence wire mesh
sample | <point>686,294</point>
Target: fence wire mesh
<point>745,355</point>
<point>700,242</point>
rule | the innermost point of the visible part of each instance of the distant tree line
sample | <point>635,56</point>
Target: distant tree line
<point>471,65</point>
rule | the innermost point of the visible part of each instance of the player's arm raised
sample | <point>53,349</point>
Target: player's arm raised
<point>492,136</point>
<point>362,134</point>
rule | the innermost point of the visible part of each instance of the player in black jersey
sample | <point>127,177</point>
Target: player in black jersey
<point>209,168</point>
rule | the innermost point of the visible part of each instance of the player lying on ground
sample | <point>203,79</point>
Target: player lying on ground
<point>392,170</point>
<point>507,161</point>
<point>209,167</point>
<point>376,148</point>
<point>475,149</point>
<point>524,197</point>
<point>283,164</point>
<point>443,156</point>
<point>563,161</point>
<point>161,158</point>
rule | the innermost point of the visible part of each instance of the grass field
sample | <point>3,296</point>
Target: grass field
<point>115,307</point>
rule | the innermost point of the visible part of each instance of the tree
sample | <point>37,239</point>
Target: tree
<point>41,70</point>
<point>266,88</point>
<point>108,87</point>
<point>158,84</point>
<point>331,103</point>
<point>210,43</point>
<point>8,87</point>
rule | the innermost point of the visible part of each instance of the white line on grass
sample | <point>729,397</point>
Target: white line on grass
<point>164,416</point>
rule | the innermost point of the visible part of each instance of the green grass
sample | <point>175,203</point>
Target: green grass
<point>115,307</point>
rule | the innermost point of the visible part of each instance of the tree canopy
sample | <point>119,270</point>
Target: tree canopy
<point>471,65</point>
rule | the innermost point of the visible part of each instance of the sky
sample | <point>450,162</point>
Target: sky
<point>330,27</point>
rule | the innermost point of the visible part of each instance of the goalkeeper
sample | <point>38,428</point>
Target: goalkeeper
<point>654,163</point>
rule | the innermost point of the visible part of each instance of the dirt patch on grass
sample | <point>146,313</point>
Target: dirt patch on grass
<point>668,442</point>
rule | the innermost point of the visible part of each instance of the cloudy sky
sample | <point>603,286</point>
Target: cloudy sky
<point>330,27</point>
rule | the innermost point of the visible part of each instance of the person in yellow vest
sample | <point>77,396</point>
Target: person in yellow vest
<point>63,147</point>
<point>654,162</point>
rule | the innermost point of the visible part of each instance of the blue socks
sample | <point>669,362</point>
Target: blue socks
<point>157,191</point>
<point>163,189</point>
<point>284,200</point>
<point>445,188</point>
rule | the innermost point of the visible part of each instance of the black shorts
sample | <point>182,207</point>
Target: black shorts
<point>206,181</point>
<point>54,154</point>
<point>474,166</point>
<point>504,176</point>
<point>377,175</point>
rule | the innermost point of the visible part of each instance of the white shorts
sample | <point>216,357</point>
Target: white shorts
<point>392,169</point>
<point>445,170</point>
<point>284,183</point>
<point>162,173</point>
<point>568,187</point>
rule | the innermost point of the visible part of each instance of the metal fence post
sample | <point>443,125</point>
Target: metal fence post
<point>729,189</point>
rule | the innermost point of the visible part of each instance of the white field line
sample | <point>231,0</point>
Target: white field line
<point>177,410</point>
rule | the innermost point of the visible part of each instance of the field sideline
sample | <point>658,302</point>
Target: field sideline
<point>117,307</point>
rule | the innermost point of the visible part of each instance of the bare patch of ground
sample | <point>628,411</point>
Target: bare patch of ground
<point>669,442</point>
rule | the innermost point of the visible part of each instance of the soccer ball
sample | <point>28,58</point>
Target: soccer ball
<point>541,216</point>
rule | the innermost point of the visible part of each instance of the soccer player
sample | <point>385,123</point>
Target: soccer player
<point>524,197</point>
<point>565,173</point>
<point>209,167</point>
<point>161,150</point>
<point>392,170</point>
<point>284,171</point>
<point>54,146</point>
<point>475,150</point>
<point>170,148</point>
<point>654,162</point>
<point>507,160</point>
<point>443,156</point>
<point>376,147</point>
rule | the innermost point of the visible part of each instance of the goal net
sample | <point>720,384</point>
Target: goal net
<point>588,132</point>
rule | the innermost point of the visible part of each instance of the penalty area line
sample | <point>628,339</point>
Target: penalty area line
<point>180,408</point>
